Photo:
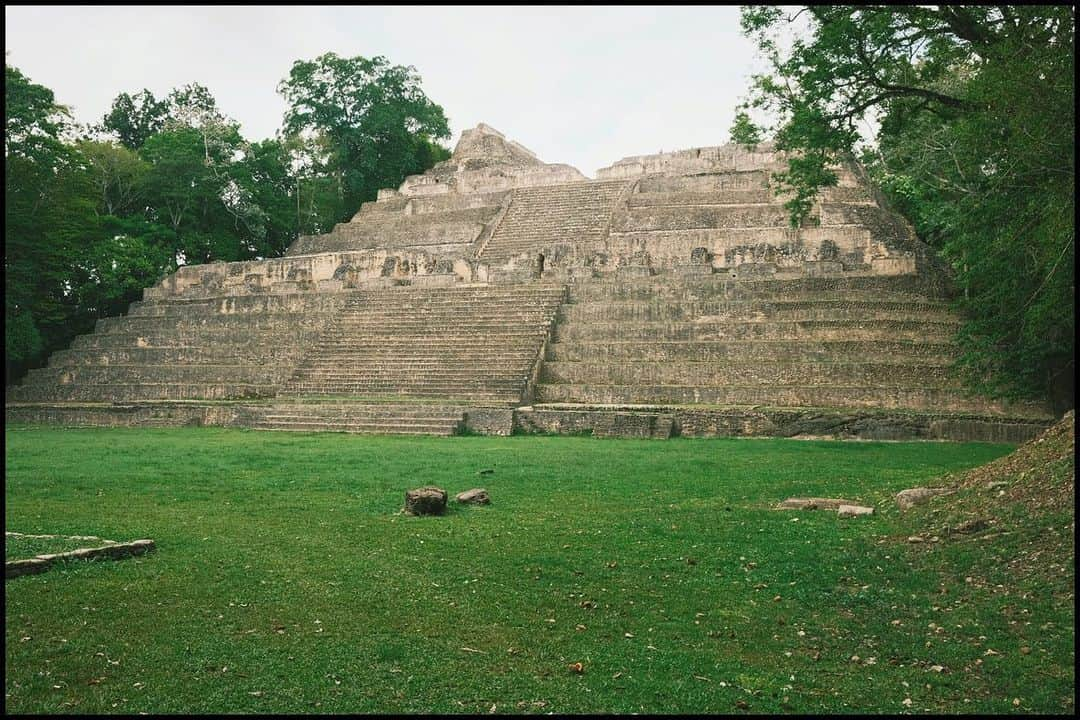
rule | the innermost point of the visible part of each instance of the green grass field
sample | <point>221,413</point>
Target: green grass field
<point>285,581</point>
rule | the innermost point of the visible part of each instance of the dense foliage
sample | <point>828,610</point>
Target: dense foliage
<point>95,214</point>
<point>974,143</point>
<point>373,122</point>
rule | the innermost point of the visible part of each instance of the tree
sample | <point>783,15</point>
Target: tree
<point>743,130</point>
<point>377,123</point>
<point>265,178</point>
<point>975,145</point>
<point>134,118</point>
<point>45,197</point>
<point>128,255</point>
<point>117,174</point>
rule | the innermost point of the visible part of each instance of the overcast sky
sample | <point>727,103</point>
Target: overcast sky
<point>580,85</point>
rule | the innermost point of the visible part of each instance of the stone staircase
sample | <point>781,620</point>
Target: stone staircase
<point>537,217</point>
<point>448,230</point>
<point>361,418</point>
<point>179,348</point>
<point>477,343</point>
<point>859,342</point>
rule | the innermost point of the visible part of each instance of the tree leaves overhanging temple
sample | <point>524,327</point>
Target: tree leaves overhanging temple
<point>974,143</point>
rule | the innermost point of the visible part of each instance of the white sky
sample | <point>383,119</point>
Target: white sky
<point>580,85</point>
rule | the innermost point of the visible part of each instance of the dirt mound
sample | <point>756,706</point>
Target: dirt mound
<point>1019,509</point>
<point>1041,474</point>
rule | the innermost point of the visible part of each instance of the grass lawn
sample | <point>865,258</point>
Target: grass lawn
<point>284,580</point>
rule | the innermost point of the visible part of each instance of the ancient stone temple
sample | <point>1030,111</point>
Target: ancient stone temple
<point>499,293</point>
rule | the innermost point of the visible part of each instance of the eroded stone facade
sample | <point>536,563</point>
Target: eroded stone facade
<point>669,295</point>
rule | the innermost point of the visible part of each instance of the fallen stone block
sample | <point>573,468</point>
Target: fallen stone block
<point>854,510</point>
<point>428,500</point>
<point>15,568</point>
<point>970,526</point>
<point>476,496</point>
<point>911,497</point>
<point>797,503</point>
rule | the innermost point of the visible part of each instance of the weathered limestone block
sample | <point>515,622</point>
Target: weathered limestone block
<point>813,503</point>
<point>907,499</point>
<point>854,510</point>
<point>476,496</point>
<point>428,500</point>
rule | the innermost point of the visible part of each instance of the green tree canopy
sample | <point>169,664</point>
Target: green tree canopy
<point>134,118</point>
<point>90,222</point>
<point>378,124</point>
<point>975,143</point>
<point>743,131</point>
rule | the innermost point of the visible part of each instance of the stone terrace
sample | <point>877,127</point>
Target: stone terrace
<point>500,293</point>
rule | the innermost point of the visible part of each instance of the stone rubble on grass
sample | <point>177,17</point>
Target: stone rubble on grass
<point>911,497</point>
<point>476,496</point>
<point>812,503</point>
<point>427,500</point>
<point>970,526</point>
<point>854,510</point>
<point>113,550</point>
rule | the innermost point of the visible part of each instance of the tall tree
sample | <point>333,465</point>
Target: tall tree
<point>743,130</point>
<point>975,144</point>
<point>45,200</point>
<point>117,174</point>
<point>134,118</point>
<point>378,124</point>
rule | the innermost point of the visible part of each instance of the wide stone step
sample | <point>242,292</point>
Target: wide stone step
<point>126,373</point>
<point>753,350</point>
<point>266,321</point>
<point>497,398</point>
<point>435,354</point>
<point>786,396</point>
<point>657,217</point>
<point>202,337</point>
<point>408,338</point>
<point>351,411</point>
<point>763,195</point>
<point>240,305</point>
<point>395,383</point>
<point>431,356</point>
<point>778,310</point>
<point>389,428</point>
<point>477,300</point>
<point>718,286</point>
<point>406,349</point>
<point>394,386</point>
<point>747,374</point>
<point>112,392</point>
<point>509,322</point>
<point>920,330</point>
<point>182,355</point>
<point>394,294</point>
<point>405,379</point>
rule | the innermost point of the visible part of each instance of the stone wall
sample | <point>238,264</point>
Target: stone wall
<point>693,307</point>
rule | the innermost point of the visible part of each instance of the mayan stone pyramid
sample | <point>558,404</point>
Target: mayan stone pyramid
<point>499,293</point>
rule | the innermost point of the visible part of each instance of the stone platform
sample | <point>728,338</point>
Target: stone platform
<point>497,293</point>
